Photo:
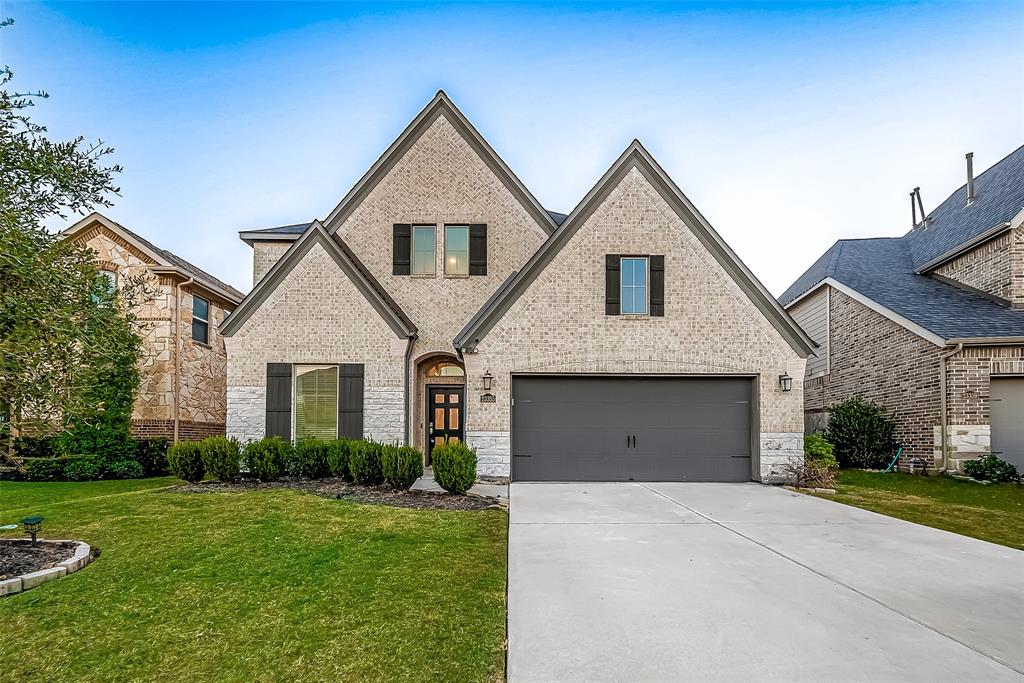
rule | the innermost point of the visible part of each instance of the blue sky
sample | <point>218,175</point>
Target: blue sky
<point>789,125</point>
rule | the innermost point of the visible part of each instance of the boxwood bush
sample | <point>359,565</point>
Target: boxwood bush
<point>82,468</point>
<point>221,457</point>
<point>454,466</point>
<point>185,460</point>
<point>122,469</point>
<point>152,455</point>
<point>401,466</point>
<point>862,433</point>
<point>310,459</point>
<point>43,469</point>
<point>364,462</point>
<point>267,459</point>
<point>337,458</point>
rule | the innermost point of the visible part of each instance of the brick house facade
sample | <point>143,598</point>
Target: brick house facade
<point>942,306</point>
<point>371,301</point>
<point>183,392</point>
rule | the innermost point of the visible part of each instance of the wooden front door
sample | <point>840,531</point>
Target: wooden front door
<point>444,415</point>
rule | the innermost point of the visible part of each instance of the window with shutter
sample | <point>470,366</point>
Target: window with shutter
<point>316,402</point>
<point>657,285</point>
<point>611,284</point>
<point>478,249</point>
<point>401,249</point>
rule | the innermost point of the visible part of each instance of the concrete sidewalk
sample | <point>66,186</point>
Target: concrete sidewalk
<point>484,490</point>
<point>746,582</point>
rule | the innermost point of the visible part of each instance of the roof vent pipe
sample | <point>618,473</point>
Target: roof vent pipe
<point>913,211</point>
<point>920,204</point>
<point>970,177</point>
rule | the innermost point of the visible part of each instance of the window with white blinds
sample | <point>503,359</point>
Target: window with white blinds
<point>316,402</point>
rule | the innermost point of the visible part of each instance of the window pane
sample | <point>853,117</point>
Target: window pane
<point>316,402</point>
<point>456,249</point>
<point>200,331</point>
<point>423,249</point>
<point>633,288</point>
<point>200,308</point>
<point>453,418</point>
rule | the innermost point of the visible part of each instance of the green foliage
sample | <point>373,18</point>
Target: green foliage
<point>83,468</point>
<point>221,457</point>
<point>862,433</point>
<point>44,469</point>
<point>337,459</point>
<point>454,466</point>
<point>818,449</point>
<point>152,455</point>
<point>185,460</point>
<point>310,459</point>
<point>364,462</point>
<point>401,466</point>
<point>991,468</point>
<point>123,469</point>
<point>34,446</point>
<point>267,459</point>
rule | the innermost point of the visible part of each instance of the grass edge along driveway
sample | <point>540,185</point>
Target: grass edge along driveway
<point>262,585</point>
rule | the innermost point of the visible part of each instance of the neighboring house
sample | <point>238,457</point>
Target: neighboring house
<point>928,324</point>
<point>182,395</point>
<point>439,301</point>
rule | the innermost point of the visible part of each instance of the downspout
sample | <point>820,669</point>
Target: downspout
<point>177,354</point>
<point>408,364</point>
<point>943,407</point>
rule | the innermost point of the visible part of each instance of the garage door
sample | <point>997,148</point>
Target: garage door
<point>572,428</point>
<point>1007,412</point>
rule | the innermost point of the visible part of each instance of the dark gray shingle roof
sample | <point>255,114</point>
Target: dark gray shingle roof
<point>881,269</point>
<point>999,196</point>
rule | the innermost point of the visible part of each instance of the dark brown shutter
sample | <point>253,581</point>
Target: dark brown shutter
<point>478,249</point>
<point>402,260</point>
<point>658,285</point>
<point>279,400</point>
<point>611,284</point>
<point>350,401</point>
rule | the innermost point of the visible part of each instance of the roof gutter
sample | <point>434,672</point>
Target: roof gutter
<point>212,289</point>
<point>987,341</point>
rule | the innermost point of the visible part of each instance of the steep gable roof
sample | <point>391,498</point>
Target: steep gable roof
<point>161,257</point>
<point>955,225</point>
<point>368,286</point>
<point>438,106</point>
<point>635,156</point>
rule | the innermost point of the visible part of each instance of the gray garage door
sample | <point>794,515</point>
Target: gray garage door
<point>573,428</point>
<point>1007,411</point>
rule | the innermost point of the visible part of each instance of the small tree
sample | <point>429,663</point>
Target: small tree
<point>862,433</point>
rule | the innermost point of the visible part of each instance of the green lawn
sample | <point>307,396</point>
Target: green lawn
<point>270,585</point>
<point>992,513</point>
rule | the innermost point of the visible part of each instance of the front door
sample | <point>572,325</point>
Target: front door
<point>444,415</point>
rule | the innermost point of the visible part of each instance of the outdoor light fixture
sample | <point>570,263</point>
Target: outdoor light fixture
<point>33,525</point>
<point>487,380</point>
<point>786,382</point>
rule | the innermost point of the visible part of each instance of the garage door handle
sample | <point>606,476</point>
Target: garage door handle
<point>634,441</point>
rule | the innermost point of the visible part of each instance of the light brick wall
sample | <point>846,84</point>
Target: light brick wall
<point>264,256</point>
<point>316,315</point>
<point>709,327</point>
<point>996,267</point>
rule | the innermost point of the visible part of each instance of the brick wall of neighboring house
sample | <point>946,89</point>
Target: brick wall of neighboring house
<point>264,256</point>
<point>996,267</point>
<point>317,316</point>
<point>188,430</point>
<point>876,358</point>
<point>203,366</point>
<point>709,327</point>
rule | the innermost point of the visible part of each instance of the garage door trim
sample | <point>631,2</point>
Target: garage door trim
<point>755,403</point>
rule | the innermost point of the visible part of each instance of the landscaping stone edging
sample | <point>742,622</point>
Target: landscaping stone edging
<point>81,557</point>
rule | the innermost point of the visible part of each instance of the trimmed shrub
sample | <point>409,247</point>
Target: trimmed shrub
<point>862,433</point>
<point>221,457</point>
<point>818,449</point>
<point>185,460</point>
<point>309,459</point>
<point>34,446</point>
<point>44,469</point>
<point>83,468</point>
<point>991,468</point>
<point>401,466</point>
<point>337,458</point>
<point>152,455</point>
<point>123,469</point>
<point>267,459</point>
<point>364,462</point>
<point>454,466</point>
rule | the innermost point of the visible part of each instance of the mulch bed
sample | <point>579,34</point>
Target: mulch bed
<point>18,557</point>
<point>343,490</point>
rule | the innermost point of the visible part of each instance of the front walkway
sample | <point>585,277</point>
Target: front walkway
<point>484,490</point>
<point>746,582</point>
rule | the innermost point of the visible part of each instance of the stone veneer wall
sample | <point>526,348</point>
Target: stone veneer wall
<point>709,327</point>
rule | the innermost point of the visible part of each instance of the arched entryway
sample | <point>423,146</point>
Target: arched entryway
<point>441,383</point>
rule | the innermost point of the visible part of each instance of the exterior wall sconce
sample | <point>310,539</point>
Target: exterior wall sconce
<point>487,378</point>
<point>786,382</point>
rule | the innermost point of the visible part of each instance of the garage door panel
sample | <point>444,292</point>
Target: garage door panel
<point>574,428</point>
<point>1007,415</point>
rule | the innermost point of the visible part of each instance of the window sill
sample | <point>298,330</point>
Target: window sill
<point>424,276</point>
<point>456,277</point>
<point>202,344</point>
<point>635,316</point>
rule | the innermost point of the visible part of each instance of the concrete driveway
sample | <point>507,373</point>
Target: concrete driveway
<point>739,582</point>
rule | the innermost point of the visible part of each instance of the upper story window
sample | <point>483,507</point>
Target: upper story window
<point>200,319</point>
<point>456,250</point>
<point>110,282</point>
<point>424,249</point>
<point>633,286</point>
